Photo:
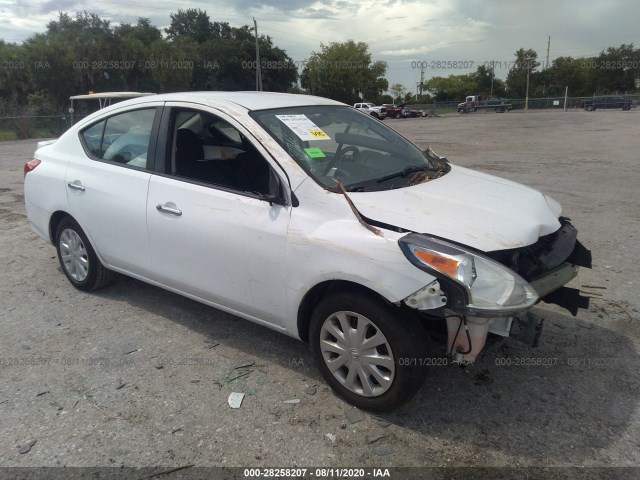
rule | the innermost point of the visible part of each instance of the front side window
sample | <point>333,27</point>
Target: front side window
<point>339,143</point>
<point>210,150</point>
<point>122,138</point>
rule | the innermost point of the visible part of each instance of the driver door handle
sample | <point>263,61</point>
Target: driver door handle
<point>166,208</point>
<point>76,185</point>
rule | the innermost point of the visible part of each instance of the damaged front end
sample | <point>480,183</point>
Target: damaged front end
<point>478,293</point>
<point>549,264</point>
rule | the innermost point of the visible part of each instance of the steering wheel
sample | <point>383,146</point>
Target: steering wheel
<point>342,156</point>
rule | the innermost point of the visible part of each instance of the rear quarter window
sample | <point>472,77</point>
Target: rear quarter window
<point>122,138</point>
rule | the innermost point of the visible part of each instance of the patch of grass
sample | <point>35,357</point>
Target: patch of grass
<point>7,135</point>
<point>43,133</point>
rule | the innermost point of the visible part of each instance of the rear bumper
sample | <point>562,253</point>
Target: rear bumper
<point>39,219</point>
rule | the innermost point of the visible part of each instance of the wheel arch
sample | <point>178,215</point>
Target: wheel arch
<point>55,220</point>
<point>320,291</point>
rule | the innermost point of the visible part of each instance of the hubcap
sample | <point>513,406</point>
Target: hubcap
<point>74,255</point>
<point>357,354</point>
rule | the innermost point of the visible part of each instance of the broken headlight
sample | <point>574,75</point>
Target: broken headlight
<point>475,284</point>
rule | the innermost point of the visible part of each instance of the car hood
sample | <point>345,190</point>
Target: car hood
<point>468,207</point>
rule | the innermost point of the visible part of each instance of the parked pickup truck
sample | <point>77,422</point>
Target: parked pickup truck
<point>606,102</point>
<point>380,112</point>
<point>473,103</point>
<point>396,111</point>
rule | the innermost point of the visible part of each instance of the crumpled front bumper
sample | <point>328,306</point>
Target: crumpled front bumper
<point>551,263</point>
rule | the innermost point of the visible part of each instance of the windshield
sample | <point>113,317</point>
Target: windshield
<point>335,143</point>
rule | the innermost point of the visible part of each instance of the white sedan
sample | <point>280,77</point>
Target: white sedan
<point>307,216</point>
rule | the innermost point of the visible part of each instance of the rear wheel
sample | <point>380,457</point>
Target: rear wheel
<point>397,115</point>
<point>78,260</point>
<point>589,108</point>
<point>366,351</point>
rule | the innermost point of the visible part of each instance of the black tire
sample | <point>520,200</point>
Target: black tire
<point>397,115</point>
<point>589,108</point>
<point>406,343</point>
<point>96,275</point>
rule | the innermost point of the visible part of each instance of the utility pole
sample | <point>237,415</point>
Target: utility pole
<point>548,47</point>
<point>492,74</point>
<point>258,71</point>
<point>526,99</point>
<point>421,76</point>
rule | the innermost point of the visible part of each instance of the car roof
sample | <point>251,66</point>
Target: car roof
<point>248,100</point>
<point>102,95</point>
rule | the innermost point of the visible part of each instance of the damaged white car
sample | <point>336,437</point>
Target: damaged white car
<point>311,218</point>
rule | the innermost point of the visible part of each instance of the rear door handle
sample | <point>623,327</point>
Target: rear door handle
<point>76,185</point>
<point>169,208</point>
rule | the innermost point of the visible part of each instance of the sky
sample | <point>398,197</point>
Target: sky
<point>405,34</point>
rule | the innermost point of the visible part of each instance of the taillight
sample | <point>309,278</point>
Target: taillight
<point>30,166</point>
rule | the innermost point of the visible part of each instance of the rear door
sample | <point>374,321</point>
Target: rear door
<point>107,186</point>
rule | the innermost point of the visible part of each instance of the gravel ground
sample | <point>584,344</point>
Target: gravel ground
<point>136,376</point>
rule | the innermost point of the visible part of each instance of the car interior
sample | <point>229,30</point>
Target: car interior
<point>122,138</point>
<point>210,150</point>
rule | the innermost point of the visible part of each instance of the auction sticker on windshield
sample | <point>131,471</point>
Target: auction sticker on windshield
<point>303,127</point>
<point>315,153</point>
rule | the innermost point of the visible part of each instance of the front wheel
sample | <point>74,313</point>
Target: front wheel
<point>366,351</point>
<point>78,260</point>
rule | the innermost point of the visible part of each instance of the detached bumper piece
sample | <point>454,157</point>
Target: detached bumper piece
<point>568,298</point>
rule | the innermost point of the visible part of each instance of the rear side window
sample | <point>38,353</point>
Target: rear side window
<point>122,138</point>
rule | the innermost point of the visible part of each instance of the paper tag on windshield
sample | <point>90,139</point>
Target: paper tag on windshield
<point>304,128</point>
<point>315,153</point>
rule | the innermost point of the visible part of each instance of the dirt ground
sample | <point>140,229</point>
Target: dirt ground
<point>135,376</point>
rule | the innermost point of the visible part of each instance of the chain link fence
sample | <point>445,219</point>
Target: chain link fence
<point>21,127</point>
<point>602,102</point>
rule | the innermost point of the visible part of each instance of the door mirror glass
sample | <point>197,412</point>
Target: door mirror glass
<point>275,189</point>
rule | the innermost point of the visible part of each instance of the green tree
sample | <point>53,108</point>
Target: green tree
<point>487,84</point>
<point>134,45</point>
<point>86,53</point>
<point>525,63</point>
<point>615,70</point>
<point>228,63</point>
<point>192,22</point>
<point>171,65</point>
<point>453,87</point>
<point>15,82</point>
<point>345,72</point>
<point>567,72</point>
<point>69,58</point>
<point>398,92</point>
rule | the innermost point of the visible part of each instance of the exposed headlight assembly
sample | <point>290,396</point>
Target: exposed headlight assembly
<point>477,285</point>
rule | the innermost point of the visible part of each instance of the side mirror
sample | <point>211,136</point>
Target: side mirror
<point>275,195</point>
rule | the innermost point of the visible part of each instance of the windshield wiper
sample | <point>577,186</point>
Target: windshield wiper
<point>406,172</point>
